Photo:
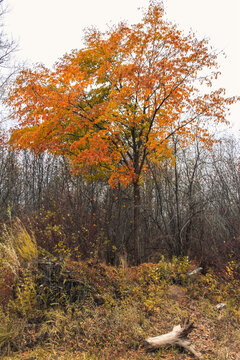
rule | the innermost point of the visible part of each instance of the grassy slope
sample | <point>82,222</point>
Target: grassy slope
<point>117,308</point>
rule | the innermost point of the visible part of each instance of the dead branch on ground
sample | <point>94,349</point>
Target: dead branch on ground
<point>178,336</point>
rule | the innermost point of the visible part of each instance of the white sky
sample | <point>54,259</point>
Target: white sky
<point>47,29</point>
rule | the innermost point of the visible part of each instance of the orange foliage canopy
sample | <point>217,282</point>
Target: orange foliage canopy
<point>117,102</point>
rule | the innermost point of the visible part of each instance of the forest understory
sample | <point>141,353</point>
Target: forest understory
<point>54,308</point>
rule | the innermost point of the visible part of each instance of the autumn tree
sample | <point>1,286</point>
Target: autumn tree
<point>115,105</point>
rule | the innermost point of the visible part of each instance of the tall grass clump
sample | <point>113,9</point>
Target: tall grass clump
<point>18,259</point>
<point>18,255</point>
<point>17,246</point>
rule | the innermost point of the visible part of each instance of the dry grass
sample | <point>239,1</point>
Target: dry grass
<point>118,308</point>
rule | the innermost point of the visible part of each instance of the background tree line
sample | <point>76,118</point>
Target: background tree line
<point>191,208</point>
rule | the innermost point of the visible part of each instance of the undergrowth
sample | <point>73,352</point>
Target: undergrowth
<point>64,309</point>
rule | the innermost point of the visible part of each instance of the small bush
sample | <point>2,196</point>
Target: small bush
<point>25,299</point>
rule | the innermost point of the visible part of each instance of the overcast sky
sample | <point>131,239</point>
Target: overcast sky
<point>47,29</point>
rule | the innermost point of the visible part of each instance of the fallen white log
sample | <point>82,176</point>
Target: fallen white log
<point>194,272</point>
<point>220,306</point>
<point>178,336</point>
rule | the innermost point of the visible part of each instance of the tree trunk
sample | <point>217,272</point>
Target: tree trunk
<point>137,238</point>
